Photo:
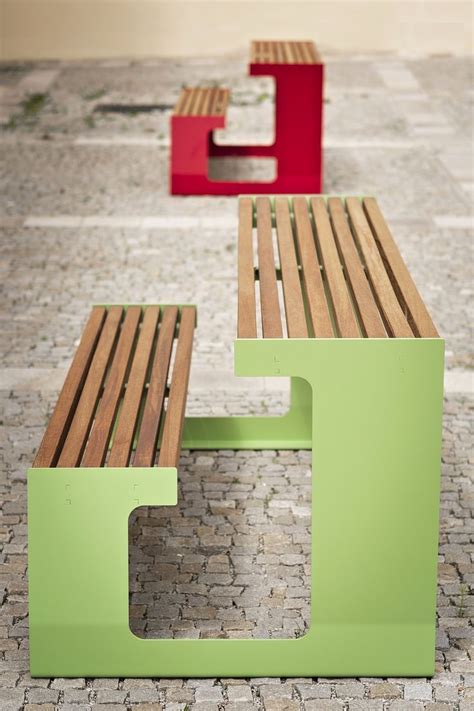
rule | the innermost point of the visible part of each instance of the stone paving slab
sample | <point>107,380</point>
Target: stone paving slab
<point>85,218</point>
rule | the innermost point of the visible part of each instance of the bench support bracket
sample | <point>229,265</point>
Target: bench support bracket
<point>289,431</point>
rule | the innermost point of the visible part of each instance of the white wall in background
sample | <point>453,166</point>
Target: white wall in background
<point>70,29</point>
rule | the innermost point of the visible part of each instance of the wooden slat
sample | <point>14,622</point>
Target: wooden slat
<point>269,52</point>
<point>271,317</point>
<point>298,50</point>
<point>179,109</point>
<point>275,49</point>
<point>343,312</point>
<point>290,52</point>
<point>246,319</point>
<point>97,444</point>
<point>293,297</point>
<point>208,101</point>
<point>123,437</point>
<point>369,316</point>
<point>221,101</point>
<point>312,280</point>
<point>174,420</point>
<point>76,438</point>
<point>306,53</point>
<point>213,110</point>
<point>313,52</point>
<point>266,52</point>
<point>189,100</point>
<point>150,425</point>
<point>200,99</point>
<point>381,284</point>
<point>283,52</point>
<point>193,106</point>
<point>419,317</point>
<point>56,431</point>
<point>253,52</point>
<point>194,102</point>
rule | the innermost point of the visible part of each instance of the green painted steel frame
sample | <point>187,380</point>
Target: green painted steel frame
<point>372,411</point>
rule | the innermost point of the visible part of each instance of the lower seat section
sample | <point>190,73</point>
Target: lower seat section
<point>124,398</point>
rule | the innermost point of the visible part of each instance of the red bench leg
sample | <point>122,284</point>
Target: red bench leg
<point>190,153</point>
<point>298,144</point>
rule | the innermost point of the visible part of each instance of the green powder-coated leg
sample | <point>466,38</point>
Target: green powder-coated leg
<point>290,431</point>
<point>376,429</point>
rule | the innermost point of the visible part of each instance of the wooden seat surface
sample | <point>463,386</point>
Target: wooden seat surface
<point>311,267</point>
<point>277,52</point>
<point>125,390</point>
<point>202,102</point>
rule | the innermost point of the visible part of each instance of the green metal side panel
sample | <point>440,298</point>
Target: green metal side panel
<point>375,427</point>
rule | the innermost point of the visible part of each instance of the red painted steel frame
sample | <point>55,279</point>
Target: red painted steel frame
<point>297,146</point>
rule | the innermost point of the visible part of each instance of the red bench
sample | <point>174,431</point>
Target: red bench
<point>298,73</point>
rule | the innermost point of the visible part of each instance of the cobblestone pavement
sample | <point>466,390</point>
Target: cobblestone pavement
<point>85,217</point>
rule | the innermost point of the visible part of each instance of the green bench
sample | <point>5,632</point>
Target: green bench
<point>335,310</point>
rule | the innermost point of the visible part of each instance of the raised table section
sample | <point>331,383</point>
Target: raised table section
<point>336,272</point>
<point>283,52</point>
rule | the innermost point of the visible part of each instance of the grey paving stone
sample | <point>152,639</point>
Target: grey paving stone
<point>324,705</point>
<point>76,696</point>
<point>12,699</point>
<point>350,689</point>
<point>111,696</point>
<point>68,683</point>
<point>144,695</point>
<point>41,696</point>
<point>309,691</point>
<point>208,693</point>
<point>384,690</point>
<point>366,705</point>
<point>240,693</point>
<point>238,706</point>
<point>418,690</point>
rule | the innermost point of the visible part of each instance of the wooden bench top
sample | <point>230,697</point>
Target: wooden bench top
<point>127,382</point>
<point>277,52</point>
<point>325,268</point>
<point>202,102</point>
